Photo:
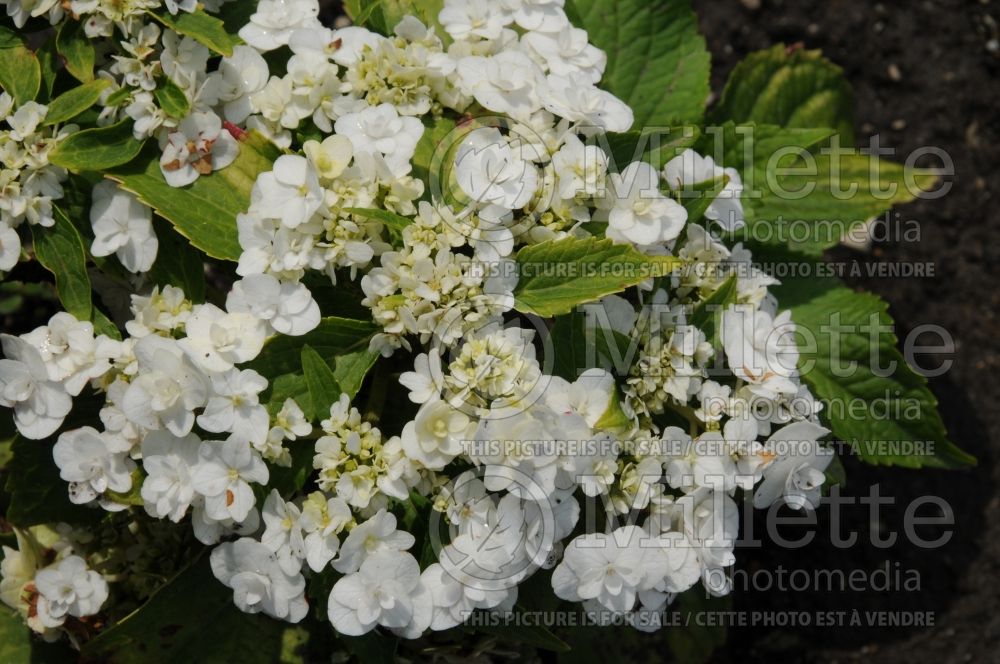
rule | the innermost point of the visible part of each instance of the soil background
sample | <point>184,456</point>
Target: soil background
<point>924,73</point>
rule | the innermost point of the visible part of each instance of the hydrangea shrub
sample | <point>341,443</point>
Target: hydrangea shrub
<point>362,324</point>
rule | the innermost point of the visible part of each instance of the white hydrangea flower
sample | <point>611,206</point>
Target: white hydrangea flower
<point>480,19</point>
<point>577,99</point>
<point>69,588</point>
<point>223,476</point>
<point>606,567</point>
<point>234,406</point>
<point>39,404</point>
<point>92,463</point>
<point>272,25</point>
<point>71,352</point>
<point>761,349</point>
<point>637,212</point>
<point>288,307</point>
<point>690,168</point>
<point>217,340</point>
<point>374,535</point>
<point>507,82</point>
<point>122,226</point>
<point>258,582</point>
<point>10,248</point>
<point>322,520</point>
<point>167,388</point>
<point>199,146</point>
<point>385,591</point>
<point>169,462</point>
<point>289,193</point>
<point>436,435</point>
<point>567,52</point>
<point>283,532</point>
<point>491,172</point>
<point>380,131</point>
<point>797,473</point>
<point>240,75</point>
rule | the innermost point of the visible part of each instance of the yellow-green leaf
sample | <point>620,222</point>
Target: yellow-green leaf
<point>205,211</point>
<point>71,103</point>
<point>97,149</point>
<point>20,73</point>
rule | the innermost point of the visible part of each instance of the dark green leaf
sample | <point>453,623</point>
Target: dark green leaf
<point>653,145</point>
<point>334,336</point>
<point>320,381</point>
<point>61,250</point>
<point>857,363</point>
<point>190,619</point>
<point>789,87</point>
<point>382,16</point>
<point>37,493</point>
<point>657,60</point>
<point>390,219</point>
<point>696,641</point>
<point>177,262</point>
<point>9,38</point>
<point>538,636</point>
<point>171,99</point>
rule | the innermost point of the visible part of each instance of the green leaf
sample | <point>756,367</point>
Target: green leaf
<point>20,73</point>
<point>49,66</point>
<point>699,196</point>
<point>789,87</point>
<point>382,15</point>
<point>61,250</point>
<point>653,145</point>
<point>372,648</point>
<point>177,262</point>
<point>322,384</point>
<point>538,636</point>
<point>171,99</point>
<point>837,195</point>
<point>395,221</point>
<point>9,38</point>
<point>334,336</point>
<point>77,50</point>
<point>37,493</point>
<point>614,417</point>
<point>71,103</point>
<point>657,60</point>
<point>696,642</point>
<point>97,149</point>
<point>190,619</point>
<point>857,367</point>
<point>430,163</point>
<point>15,637</point>
<point>204,212</point>
<point>708,313</point>
<point>557,275</point>
<point>350,370</point>
<point>204,29</point>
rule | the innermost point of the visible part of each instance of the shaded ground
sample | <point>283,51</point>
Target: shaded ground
<point>924,73</point>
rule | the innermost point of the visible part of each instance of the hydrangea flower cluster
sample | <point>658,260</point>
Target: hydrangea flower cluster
<point>505,450</point>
